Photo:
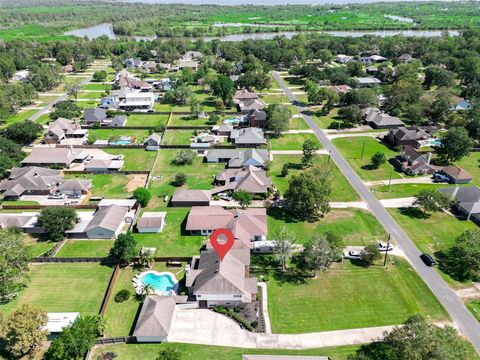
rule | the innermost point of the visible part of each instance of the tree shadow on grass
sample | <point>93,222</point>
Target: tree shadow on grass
<point>282,214</point>
<point>448,262</point>
<point>369,167</point>
<point>292,275</point>
<point>413,212</point>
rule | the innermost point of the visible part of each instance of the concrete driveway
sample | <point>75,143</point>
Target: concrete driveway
<point>202,326</point>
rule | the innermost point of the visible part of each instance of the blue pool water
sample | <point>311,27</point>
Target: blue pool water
<point>436,142</point>
<point>232,121</point>
<point>159,282</point>
<point>121,142</point>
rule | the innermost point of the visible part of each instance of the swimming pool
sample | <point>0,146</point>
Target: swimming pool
<point>163,283</point>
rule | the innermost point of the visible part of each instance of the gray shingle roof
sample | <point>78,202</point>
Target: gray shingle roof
<point>155,317</point>
<point>108,217</point>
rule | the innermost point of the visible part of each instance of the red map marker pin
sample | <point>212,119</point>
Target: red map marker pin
<point>222,248</point>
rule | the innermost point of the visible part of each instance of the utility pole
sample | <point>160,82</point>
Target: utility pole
<point>329,156</point>
<point>386,252</point>
<point>363,149</point>
<point>390,181</point>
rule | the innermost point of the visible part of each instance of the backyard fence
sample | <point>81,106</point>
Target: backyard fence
<point>119,172</point>
<point>104,260</point>
<point>101,146</point>
<point>108,293</point>
<point>38,207</point>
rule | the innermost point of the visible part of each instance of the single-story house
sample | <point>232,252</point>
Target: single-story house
<point>379,120</point>
<point>97,165</point>
<point>131,62</point>
<point>343,59</point>
<point>249,178</point>
<point>248,137</point>
<point>243,95</point>
<point>221,283</point>
<point>107,222</point>
<point>373,59</point>
<point>188,198</point>
<point>155,319</point>
<point>75,187</point>
<point>467,199</point>
<point>247,106</point>
<point>153,142</point>
<point>21,75</point>
<point>59,321</point>
<point>31,180</point>
<point>25,221</point>
<point>257,118</point>
<point>456,175</point>
<point>339,89</point>
<point>118,121</point>
<point>402,136</point>
<point>411,162</point>
<point>239,158</point>
<point>46,156</point>
<point>367,81</point>
<point>223,129</point>
<point>151,222</point>
<point>128,204</point>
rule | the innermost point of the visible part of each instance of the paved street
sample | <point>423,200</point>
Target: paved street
<point>465,321</point>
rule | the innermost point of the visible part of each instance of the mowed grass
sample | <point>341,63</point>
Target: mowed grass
<point>293,141</point>
<point>96,86</point>
<point>471,164</point>
<point>178,137</point>
<point>353,226</point>
<point>196,352</point>
<point>91,95</point>
<point>135,159</point>
<point>106,134</point>
<point>403,190</point>
<point>351,149</point>
<point>120,317</point>
<point>19,117</point>
<point>474,307</point>
<point>186,120</point>
<point>35,247</point>
<point>106,185</point>
<point>152,121</point>
<point>199,176</point>
<point>342,190</point>
<point>85,248</point>
<point>65,287</point>
<point>326,121</point>
<point>348,297</point>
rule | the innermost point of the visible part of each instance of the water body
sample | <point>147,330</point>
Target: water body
<point>400,18</point>
<point>106,29</point>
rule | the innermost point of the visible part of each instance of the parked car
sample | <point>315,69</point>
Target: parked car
<point>384,247</point>
<point>440,178</point>
<point>56,196</point>
<point>428,259</point>
<point>225,197</point>
<point>353,255</point>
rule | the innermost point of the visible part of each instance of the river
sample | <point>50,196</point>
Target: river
<point>106,29</point>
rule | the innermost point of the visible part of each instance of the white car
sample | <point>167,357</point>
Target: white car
<point>353,255</point>
<point>225,197</point>
<point>384,247</point>
<point>56,196</point>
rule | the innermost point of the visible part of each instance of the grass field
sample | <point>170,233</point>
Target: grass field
<point>354,226</point>
<point>275,99</point>
<point>85,248</point>
<point>35,247</point>
<point>293,141</point>
<point>403,190</point>
<point>196,352</point>
<point>90,104</point>
<point>326,121</point>
<point>21,116</point>
<point>106,134</point>
<point>65,288</point>
<point>106,185</point>
<point>186,120</point>
<point>91,95</point>
<point>474,307</point>
<point>351,149</point>
<point>342,190</point>
<point>347,297</point>
<point>178,137</point>
<point>135,159</point>
<point>471,164</point>
<point>147,120</point>
<point>96,86</point>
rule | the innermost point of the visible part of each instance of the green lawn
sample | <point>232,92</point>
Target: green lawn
<point>91,95</point>
<point>186,120</point>
<point>91,104</point>
<point>403,190</point>
<point>106,134</point>
<point>199,176</point>
<point>135,159</point>
<point>160,107</point>
<point>297,123</point>
<point>147,120</point>
<point>348,297</point>
<point>120,317</point>
<point>196,352</point>
<point>275,99</point>
<point>327,121</point>
<point>44,119</point>
<point>21,116</point>
<point>474,307</point>
<point>178,137</point>
<point>65,288</point>
<point>35,247</point>
<point>293,81</point>
<point>85,248</point>
<point>471,164</point>
<point>95,86</point>
<point>354,226</point>
<point>106,185</point>
<point>293,141</point>
<point>351,149</point>
<point>342,190</point>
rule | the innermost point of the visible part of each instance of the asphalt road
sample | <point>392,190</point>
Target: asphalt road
<point>464,320</point>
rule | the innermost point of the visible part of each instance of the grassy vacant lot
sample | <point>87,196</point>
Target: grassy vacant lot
<point>297,122</point>
<point>178,137</point>
<point>135,159</point>
<point>106,134</point>
<point>292,141</point>
<point>280,98</point>
<point>65,288</point>
<point>347,297</point>
<point>186,120</point>
<point>91,104</point>
<point>403,190</point>
<point>195,352</point>
<point>474,307</point>
<point>21,116</point>
<point>351,149</point>
<point>327,121</point>
<point>95,86</point>
<point>199,176</point>
<point>355,227</point>
<point>342,190</point>
<point>293,81</point>
<point>106,185</point>
<point>85,248</point>
<point>120,317</point>
<point>147,120</point>
<point>91,95</point>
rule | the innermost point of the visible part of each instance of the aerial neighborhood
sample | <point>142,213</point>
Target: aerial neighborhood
<point>169,197</point>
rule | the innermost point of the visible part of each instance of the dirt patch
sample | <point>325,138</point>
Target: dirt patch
<point>135,181</point>
<point>337,215</point>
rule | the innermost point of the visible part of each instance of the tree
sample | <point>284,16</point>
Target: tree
<point>431,201</point>
<point>454,146</point>
<point>377,160</point>
<point>224,88</point>
<point>283,248</point>
<point>351,115</point>
<point>243,198</point>
<point>65,109</point>
<point>44,76</point>
<point>473,122</point>
<point>100,76</point>
<point>310,148</point>
<point>213,119</point>
<point>416,339</point>
<point>370,253</point>
<point>355,69</point>
<point>24,132</point>
<point>319,253</point>
<point>10,155</point>
<point>362,97</point>
<point>24,335</point>
<point>184,157</point>
<point>13,264</point>
<point>124,248</point>
<point>463,259</point>
<point>72,87</point>
<point>308,193</point>
<point>142,195</point>
<point>180,179</point>
<point>195,106</point>
<point>278,118</point>
<point>57,220</point>
<point>74,341</point>
<point>169,354</point>
<point>146,258</point>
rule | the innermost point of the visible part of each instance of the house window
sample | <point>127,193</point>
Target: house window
<point>237,296</point>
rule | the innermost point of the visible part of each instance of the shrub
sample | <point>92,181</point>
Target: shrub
<point>122,295</point>
<point>184,157</point>
<point>254,324</point>
<point>180,179</point>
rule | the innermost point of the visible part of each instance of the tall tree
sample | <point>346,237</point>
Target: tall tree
<point>243,198</point>
<point>65,109</point>
<point>283,249</point>
<point>319,253</point>
<point>124,248</point>
<point>309,149</point>
<point>278,118</point>
<point>57,220</point>
<point>455,145</point>
<point>431,201</point>
<point>23,133</point>
<point>224,88</point>
<point>463,259</point>
<point>72,88</point>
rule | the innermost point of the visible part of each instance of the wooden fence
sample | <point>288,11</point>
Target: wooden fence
<point>38,207</point>
<point>108,293</point>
